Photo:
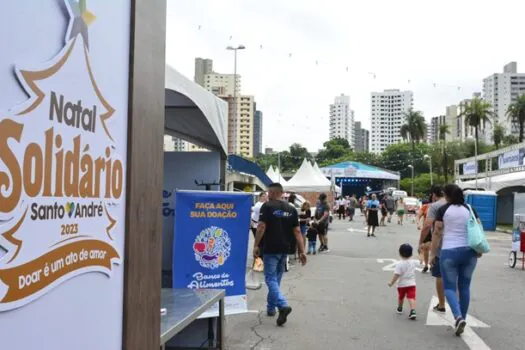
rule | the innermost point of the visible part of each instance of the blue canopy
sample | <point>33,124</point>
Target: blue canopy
<point>356,169</point>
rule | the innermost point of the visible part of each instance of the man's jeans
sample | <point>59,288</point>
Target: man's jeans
<point>457,266</point>
<point>273,272</point>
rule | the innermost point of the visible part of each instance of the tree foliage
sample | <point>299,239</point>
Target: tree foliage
<point>334,150</point>
<point>396,157</point>
<point>516,114</point>
<point>498,135</point>
<point>477,113</point>
<point>415,127</point>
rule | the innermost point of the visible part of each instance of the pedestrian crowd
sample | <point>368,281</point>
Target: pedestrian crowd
<point>445,224</point>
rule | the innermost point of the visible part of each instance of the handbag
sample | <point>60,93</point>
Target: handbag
<point>476,236</point>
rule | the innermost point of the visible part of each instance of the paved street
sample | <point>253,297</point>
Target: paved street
<point>341,300</point>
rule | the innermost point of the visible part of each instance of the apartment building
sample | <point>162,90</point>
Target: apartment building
<point>342,120</point>
<point>501,90</point>
<point>362,138</point>
<point>387,116</point>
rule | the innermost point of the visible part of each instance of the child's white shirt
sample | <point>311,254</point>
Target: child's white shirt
<point>407,273</point>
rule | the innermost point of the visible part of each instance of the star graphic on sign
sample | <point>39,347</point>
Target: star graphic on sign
<point>82,18</point>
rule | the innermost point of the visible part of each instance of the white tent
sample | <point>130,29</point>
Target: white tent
<point>320,175</point>
<point>306,179</point>
<point>271,173</point>
<point>275,175</point>
<point>324,179</point>
<point>496,183</point>
<point>194,114</point>
<point>279,178</point>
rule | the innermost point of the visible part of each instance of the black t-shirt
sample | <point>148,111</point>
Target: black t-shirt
<point>312,234</point>
<point>320,210</point>
<point>281,220</point>
<point>304,216</point>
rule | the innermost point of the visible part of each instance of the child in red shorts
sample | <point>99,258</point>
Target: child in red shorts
<point>405,277</point>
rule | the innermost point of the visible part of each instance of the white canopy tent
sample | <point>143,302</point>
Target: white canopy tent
<point>496,183</point>
<point>306,179</point>
<point>275,176</point>
<point>324,179</point>
<point>271,173</point>
<point>195,114</point>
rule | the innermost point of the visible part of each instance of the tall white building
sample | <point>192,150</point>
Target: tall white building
<point>387,114</point>
<point>169,144</point>
<point>501,90</point>
<point>174,144</point>
<point>222,84</point>
<point>342,120</point>
<point>451,116</point>
<point>203,66</point>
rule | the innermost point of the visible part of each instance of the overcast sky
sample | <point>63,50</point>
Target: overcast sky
<point>405,44</point>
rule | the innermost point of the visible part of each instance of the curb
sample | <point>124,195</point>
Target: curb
<point>504,231</point>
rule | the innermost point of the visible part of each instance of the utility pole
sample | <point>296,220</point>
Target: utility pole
<point>279,166</point>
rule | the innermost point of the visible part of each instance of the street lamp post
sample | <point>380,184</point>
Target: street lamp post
<point>412,168</point>
<point>426,156</point>
<point>234,116</point>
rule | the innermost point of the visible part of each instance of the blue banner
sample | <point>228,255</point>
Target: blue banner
<point>211,243</point>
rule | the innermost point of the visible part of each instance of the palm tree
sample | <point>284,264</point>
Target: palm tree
<point>477,113</point>
<point>414,129</point>
<point>444,129</point>
<point>516,114</point>
<point>499,134</point>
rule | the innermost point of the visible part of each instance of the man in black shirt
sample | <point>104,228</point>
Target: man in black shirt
<point>322,215</point>
<point>278,227</point>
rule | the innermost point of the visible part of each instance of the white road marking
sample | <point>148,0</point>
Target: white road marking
<point>356,230</point>
<point>471,339</point>
<point>392,266</point>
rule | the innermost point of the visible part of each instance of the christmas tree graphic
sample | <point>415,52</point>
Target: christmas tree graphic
<point>65,175</point>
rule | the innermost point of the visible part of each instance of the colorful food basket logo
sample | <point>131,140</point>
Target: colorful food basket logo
<point>212,247</point>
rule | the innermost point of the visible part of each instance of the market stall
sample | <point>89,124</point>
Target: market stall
<point>309,184</point>
<point>194,115</point>
<point>509,188</point>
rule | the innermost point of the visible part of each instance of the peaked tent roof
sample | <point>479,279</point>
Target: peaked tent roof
<point>275,175</point>
<point>306,179</point>
<point>324,178</point>
<point>356,169</point>
<point>271,173</point>
<point>279,178</point>
<point>320,174</point>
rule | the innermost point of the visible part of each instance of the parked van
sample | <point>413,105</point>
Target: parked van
<point>399,194</point>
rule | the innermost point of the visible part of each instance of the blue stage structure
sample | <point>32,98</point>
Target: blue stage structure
<point>354,177</point>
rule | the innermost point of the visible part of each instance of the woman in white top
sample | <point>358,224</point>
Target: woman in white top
<point>457,260</point>
<point>256,211</point>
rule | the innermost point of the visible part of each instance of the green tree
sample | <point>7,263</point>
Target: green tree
<point>444,129</point>
<point>509,140</point>
<point>477,113</point>
<point>414,129</point>
<point>516,114</point>
<point>297,153</point>
<point>333,151</point>
<point>421,184</point>
<point>498,135</point>
<point>399,156</point>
